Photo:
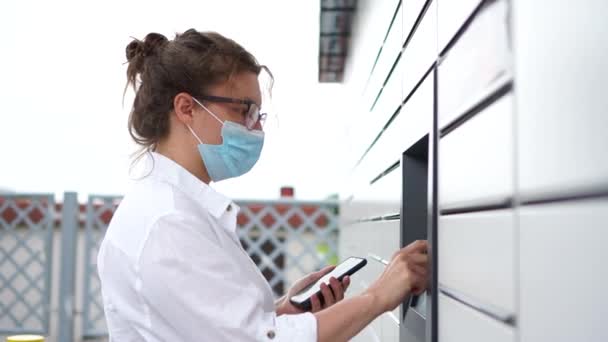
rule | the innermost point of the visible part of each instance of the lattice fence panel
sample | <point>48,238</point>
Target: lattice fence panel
<point>26,243</point>
<point>288,239</point>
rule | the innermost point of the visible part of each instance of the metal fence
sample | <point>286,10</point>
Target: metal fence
<point>285,238</point>
<point>26,228</point>
<point>288,239</point>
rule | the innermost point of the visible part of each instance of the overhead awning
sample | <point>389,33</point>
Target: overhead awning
<point>334,37</point>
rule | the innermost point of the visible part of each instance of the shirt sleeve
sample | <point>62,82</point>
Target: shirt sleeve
<point>302,327</point>
<point>193,292</point>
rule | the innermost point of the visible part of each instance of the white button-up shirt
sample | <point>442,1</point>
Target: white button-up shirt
<point>172,268</point>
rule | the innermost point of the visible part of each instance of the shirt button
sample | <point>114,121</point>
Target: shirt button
<point>270,334</point>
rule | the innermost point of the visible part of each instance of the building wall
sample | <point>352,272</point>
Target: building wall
<point>502,103</point>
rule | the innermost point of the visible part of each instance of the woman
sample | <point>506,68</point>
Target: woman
<point>171,265</point>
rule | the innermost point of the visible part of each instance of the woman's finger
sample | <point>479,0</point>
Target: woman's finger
<point>328,297</point>
<point>310,278</point>
<point>419,280</point>
<point>315,303</point>
<point>417,258</point>
<point>337,289</point>
<point>324,271</point>
<point>345,283</point>
<point>420,246</point>
<point>420,270</point>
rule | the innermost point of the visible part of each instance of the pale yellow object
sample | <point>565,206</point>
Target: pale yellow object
<point>25,338</point>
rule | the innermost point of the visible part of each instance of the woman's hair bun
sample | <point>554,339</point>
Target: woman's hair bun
<point>134,49</point>
<point>139,49</point>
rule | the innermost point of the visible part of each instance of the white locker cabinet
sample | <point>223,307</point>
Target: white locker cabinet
<point>378,199</point>
<point>390,50</point>
<point>460,323</point>
<point>451,16</point>
<point>421,52</point>
<point>477,256</point>
<point>370,26</point>
<point>371,271</point>
<point>562,106</point>
<point>371,238</point>
<point>564,276</point>
<point>476,159</point>
<point>410,12</point>
<point>517,93</point>
<point>381,239</point>
<point>410,125</point>
<point>374,57</point>
<point>389,100</point>
<point>374,123</point>
<point>479,59</point>
<point>390,327</point>
<point>388,236</point>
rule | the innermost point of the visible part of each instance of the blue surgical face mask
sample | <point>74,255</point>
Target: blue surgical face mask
<point>236,155</point>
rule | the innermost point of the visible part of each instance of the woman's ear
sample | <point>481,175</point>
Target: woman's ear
<point>183,106</point>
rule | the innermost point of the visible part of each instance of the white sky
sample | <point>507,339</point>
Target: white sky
<point>62,123</point>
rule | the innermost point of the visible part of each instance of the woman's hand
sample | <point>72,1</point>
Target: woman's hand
<point>405,274</point>
<point>331,294</point>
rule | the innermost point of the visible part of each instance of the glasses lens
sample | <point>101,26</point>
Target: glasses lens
<point>253,116</point>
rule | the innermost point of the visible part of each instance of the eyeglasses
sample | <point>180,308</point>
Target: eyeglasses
<point>252,116</point>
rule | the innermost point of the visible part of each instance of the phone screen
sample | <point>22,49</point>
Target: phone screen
<point>337,272</point>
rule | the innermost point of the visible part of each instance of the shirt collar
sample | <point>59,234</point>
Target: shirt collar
<point>167,170</point>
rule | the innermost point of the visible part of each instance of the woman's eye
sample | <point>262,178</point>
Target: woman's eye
<point>240,110</point>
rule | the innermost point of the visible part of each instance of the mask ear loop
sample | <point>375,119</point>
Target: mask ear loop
<point>210,112</point>
<point>196,136</point>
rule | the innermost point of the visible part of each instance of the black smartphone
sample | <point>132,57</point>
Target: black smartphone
<point>345,268</point>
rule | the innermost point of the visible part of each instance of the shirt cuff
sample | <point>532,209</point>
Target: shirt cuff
<point>291,328</point>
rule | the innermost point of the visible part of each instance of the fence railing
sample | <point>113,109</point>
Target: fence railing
<point>285,238</point>
<point>26,223</point>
